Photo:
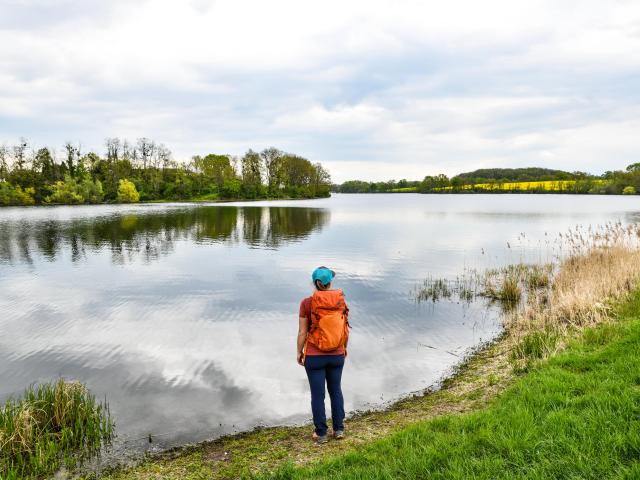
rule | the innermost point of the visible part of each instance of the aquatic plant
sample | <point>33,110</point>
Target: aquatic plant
<point>509,284</point>
<point>52,424</point>
<point>538,277</point>
<point>505,285</point>
<point>594,267</point>
<point>434,290</point>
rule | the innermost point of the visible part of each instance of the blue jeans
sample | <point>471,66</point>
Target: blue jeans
<point>321,368</point>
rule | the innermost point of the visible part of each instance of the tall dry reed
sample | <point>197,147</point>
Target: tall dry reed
<point>598,268</point>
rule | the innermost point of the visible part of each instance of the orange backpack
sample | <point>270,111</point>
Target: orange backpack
<point>329,320</point>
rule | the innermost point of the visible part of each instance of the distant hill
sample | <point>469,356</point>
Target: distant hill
<point>530,174</point>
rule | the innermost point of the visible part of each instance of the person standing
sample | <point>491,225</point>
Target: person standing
<point>323,334</point>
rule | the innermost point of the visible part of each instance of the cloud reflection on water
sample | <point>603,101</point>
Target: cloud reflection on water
<point>184,317</point>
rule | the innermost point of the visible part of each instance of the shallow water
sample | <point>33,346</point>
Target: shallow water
<point>185,316</point>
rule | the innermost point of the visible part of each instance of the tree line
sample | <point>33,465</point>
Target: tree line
<point>145,171</point>
<point>360,186</point>
<point>494,180</point>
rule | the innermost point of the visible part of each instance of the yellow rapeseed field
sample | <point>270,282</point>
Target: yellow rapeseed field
<point>548,185</point>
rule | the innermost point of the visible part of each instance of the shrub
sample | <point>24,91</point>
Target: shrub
<point>10,195</point>
<point>91,191</point>
<point>127,192</point>
<point>72,191</point>
<point>629,190</point>
<point>65,192</point>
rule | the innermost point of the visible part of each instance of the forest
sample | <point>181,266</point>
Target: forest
<point>509,180</point>
<point>145,170</point>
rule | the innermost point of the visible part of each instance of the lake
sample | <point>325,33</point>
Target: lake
<point>184,317</point>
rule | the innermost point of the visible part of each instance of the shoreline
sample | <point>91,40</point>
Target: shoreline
<point>464,389</point>
<point>585,292</point>
<point>251,200</point>
<point>152,202</point>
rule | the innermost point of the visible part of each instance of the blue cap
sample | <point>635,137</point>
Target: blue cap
<point>323,274</point>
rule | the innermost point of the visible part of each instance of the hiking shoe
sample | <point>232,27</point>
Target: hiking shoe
<point>320,439</point>
<point>338,434</point>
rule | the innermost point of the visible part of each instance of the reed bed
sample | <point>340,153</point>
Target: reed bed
<point>53,424</point>
<point>597,269</point>
<point>507,285</point>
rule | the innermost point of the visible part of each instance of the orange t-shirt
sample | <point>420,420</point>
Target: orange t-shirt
<point>310,348</point>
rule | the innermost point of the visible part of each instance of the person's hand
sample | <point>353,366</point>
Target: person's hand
<point>300,358</point>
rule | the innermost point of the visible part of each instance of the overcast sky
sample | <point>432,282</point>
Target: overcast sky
<point>372,89</point>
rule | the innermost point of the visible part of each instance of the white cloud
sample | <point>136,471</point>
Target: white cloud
<point>374,89</point>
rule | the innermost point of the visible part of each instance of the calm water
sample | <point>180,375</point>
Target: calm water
<point>185,316</point>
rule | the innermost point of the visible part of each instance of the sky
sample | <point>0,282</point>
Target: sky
<point>372,89</point>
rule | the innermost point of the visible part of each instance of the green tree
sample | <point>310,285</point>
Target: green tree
<point>320,181</point>
<point>127,192</point>
<point>216,169</point>
<point>148,170</point>
<point>251,175</point>
<point>272,160</point>
<point>231,188</point>
<point>44,163</point>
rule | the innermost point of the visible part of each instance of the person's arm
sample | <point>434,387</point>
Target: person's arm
<point>303,328</point>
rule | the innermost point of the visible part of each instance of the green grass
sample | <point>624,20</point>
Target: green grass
<point>535,345</point>
<point>575,415</point>
<point>52,424</point>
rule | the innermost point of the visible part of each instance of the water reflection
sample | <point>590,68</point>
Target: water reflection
<point>185,316</point>
<point>152,235</point>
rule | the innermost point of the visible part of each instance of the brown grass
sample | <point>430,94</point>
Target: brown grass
<point>600,268</point>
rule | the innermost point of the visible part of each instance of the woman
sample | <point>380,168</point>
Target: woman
<point>323,333</point>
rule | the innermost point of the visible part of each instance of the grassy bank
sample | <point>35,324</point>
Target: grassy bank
<point>557,396</point>
<point>576,415</point>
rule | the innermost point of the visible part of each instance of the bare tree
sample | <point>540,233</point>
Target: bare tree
<point>4,162</point>
<point>19,153</point>
<point>145,148</point>
<point>128,151</point>
<point>113,149</point>
<point>163,156</point>
<point>73,154</point>
<point>235,164</point>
